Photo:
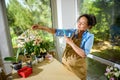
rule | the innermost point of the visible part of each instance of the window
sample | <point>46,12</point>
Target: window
<point>107,30</point>
<point>22,14</point>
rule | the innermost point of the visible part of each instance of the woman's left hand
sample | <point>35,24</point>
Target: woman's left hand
<point>68,40</point>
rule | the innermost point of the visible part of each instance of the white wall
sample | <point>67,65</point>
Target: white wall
<point>69,13</point>
<point>5,40</point>
<point>64,14</point>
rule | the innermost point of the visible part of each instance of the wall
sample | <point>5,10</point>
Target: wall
<point>5,40</point>
<point>64,15</point>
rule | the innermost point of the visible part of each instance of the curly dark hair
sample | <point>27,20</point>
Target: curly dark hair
<point>91,19</point>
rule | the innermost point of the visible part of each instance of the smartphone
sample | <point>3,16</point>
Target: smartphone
<point>67,32</point>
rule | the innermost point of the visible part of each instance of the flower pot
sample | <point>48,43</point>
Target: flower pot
<point>113,78</point>
<point>43,54</point>
<point>17,66</point>
<point>29,64</point>
<point>39,58</point>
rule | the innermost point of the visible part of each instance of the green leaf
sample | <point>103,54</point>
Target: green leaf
<point>18,52</point>
<point>12,59</point>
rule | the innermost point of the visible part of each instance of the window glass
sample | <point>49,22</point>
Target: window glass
<point>107,30</point>
<point>22,14</point>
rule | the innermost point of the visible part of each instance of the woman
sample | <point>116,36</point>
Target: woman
<point>78,45</point>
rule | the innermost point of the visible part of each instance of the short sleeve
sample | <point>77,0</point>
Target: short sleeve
<point>88,44</point>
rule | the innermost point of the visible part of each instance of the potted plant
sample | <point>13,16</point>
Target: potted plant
<point>16,63</point>
<point>112,73</point>
<point>32,49</point>
<point>44,48</point>
<point>33,45</point>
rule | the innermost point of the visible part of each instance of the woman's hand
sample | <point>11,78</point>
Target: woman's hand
<point>39,27</point>
<point>68,40</point>
<point>76,48</point>
<point>36,26</point>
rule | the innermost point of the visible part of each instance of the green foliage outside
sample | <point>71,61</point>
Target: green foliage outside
<point>102,10</point>
<point>106,12</point>
<point>22,14</point>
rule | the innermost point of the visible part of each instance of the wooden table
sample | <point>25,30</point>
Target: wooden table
<point>46,70</point>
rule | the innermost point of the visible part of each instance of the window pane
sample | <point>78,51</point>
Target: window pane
<point>107,30</point>
<point>22,14</point>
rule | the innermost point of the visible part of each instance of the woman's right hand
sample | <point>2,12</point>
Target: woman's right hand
<point>36,26</point>
<point>39,27</point>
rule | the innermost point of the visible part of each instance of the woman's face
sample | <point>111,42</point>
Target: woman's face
<point>82,24</point>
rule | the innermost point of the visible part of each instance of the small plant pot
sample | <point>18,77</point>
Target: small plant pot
<point>39,58</point>
<point>43,54</point>
<point>17,66</point>
<point>29,64</point>
<point>114,78</point>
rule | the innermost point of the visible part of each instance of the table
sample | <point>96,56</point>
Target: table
<point>46,70</point>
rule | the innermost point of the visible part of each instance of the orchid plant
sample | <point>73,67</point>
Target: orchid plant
<point>112,73</point>
<point>32,43</point>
